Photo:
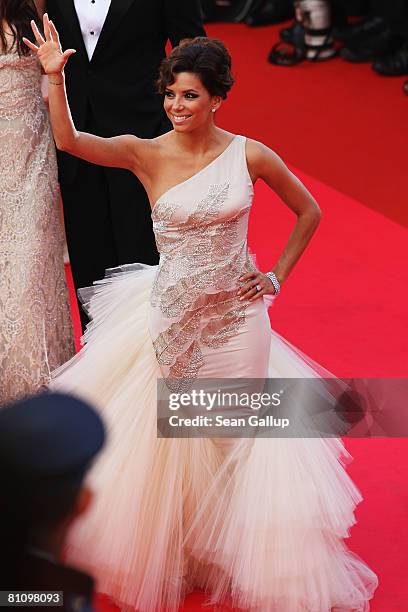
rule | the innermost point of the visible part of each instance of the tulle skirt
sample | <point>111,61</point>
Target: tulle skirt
<point>258,528</point>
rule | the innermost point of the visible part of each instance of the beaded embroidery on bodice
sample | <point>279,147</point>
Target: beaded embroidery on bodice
<point>201,228</point>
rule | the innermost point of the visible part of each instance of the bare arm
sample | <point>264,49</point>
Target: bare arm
<point>265,164</point>
<point>119,151</point>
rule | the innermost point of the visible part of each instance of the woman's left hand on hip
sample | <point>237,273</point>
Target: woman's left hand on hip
<point>255,285</point>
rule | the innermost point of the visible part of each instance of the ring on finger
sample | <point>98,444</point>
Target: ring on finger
<point>258,287</point>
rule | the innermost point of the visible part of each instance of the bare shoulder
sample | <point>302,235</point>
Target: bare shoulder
<point>162,145</point>
<point>257,152</point>
<point>262,161</point>
<point>144,150</point>
<point>142,146</point>
<point>149,156</point>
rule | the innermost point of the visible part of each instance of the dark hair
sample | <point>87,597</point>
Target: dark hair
<point>208,58</point>
<point>18,15</point>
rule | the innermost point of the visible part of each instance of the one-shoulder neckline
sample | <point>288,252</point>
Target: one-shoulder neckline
<point>203,169</point>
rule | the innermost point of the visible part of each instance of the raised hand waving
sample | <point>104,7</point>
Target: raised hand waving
<point>49,51</point>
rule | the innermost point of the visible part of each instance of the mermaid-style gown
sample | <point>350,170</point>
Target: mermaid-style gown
<point>259,524</point>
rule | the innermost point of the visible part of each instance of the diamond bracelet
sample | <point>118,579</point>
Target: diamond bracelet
<point>274,280</point>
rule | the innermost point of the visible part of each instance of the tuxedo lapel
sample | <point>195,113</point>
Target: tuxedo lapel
<point>117,10</point>
<point>68,11</point>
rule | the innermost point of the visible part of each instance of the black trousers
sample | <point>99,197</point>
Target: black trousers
<point>395,13</point>
<point>107,222</point>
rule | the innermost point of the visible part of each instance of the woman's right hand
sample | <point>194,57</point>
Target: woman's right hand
<point>49,51</point>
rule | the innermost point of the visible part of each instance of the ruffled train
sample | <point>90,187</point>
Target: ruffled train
<point>260,528</point>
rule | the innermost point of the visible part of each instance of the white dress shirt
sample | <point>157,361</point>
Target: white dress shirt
<point>91,15</point>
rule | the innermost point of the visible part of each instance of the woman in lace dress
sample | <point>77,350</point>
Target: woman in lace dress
<point>35,323</point>
<point>259,522</point>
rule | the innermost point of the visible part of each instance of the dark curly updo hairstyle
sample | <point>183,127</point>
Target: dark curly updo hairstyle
<point>208,58</point>
<point>18,15</point>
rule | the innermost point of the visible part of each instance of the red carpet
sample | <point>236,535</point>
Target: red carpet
<point>345,304</point>
<point>337,121</point>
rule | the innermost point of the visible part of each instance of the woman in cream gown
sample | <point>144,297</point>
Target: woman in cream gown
<point>260,523</point>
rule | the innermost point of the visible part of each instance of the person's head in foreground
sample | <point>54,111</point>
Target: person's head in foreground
<point>47,444</point>
<point>195,78</point>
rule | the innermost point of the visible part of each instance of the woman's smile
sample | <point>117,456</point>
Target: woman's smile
<point>180,118</point>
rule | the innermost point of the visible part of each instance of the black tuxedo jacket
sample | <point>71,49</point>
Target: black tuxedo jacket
<point>117,85</point>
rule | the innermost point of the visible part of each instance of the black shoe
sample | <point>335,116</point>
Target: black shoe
<point>285,54</point>
<point>294,35</point>
<point>395,64</point>
<point>374,48</point>
<point>359,31</point>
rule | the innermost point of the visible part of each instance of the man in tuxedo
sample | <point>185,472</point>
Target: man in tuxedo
<point>110,86</point>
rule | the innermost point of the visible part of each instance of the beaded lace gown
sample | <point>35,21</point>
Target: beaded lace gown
<point>35,323</point>
<point>259,525</point>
